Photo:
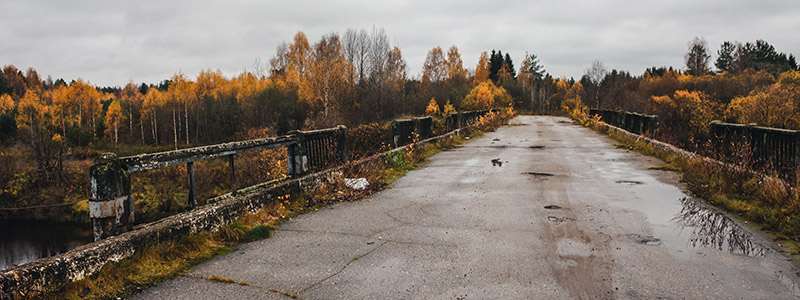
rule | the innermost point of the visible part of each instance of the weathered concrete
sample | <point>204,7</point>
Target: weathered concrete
<point>52,273</point>
<point>566,215</point>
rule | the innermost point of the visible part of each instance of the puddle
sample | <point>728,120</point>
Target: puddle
<point>715,230</point>
<point>631,182</point>
<point>678,222</point>
<point>497,162</point>
<point>540,174</point>
<point>552,207</point>
<point>536,147</point>
<point>495,140</point>
<point>646,239</point>
<point>559,220</point>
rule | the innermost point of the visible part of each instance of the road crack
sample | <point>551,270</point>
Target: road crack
<point>344,267</point>
<point>230,280</point>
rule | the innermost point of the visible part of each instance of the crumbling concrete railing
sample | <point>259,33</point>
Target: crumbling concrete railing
<point>52,273</point>
<point>111,206</point>
<point>633,122</point>
<point>407,131</point>
<point>463,119</point>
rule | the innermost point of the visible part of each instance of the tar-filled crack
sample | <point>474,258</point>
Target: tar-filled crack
<point>243,283</point>
<point>344,267</point>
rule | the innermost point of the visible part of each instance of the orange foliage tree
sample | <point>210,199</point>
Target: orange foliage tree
<point>486,95</point>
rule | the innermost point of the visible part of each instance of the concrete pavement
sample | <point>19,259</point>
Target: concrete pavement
<point>566,215</point>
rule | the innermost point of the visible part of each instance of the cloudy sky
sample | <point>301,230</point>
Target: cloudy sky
<point>112,42</point>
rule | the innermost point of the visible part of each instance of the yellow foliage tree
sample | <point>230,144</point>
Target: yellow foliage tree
<point>432,109</point>
<point>448,108</point>
<point>486,95</point>
<point>114,117</point>
<point>686,115</point>
<point>6,103</point>
<point>482,71</point>
<point>776,106</point>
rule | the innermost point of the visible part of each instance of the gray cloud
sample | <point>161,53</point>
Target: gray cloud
<point>110,43</point>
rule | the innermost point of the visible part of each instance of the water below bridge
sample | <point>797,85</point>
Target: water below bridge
<point>23,242</point>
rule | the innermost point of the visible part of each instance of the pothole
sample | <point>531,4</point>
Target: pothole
<point>552,207</point>
<point>537,147</point>
<point>631,182</point>
<point>540,174</point>
<point>646,239</point>
<point>559,220</point>
<point>497,162</point>
<point>495,140</point>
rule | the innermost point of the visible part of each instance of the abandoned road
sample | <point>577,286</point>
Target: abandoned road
<point>560,213</point>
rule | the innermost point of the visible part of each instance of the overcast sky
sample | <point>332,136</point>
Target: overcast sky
<point>112,42</point>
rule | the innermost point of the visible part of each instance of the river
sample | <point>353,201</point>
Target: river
<point>23,242</point>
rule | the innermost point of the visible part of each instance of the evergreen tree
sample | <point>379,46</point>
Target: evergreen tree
<point>725,56</point>
<point>495,63</point>
<point>509,64</point>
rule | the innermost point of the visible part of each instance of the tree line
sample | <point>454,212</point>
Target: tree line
<point>751,83</point>
<point>352,78</point>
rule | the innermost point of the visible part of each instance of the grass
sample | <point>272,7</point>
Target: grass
<point>770,205</point>
<point>164,261</point>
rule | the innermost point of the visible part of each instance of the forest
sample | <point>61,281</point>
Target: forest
<point>51,130</point>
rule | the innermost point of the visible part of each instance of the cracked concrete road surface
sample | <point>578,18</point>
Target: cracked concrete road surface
<point>565,215</point>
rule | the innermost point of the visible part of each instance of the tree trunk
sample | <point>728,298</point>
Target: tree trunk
<point>186,118</point>
<point>174,128</point>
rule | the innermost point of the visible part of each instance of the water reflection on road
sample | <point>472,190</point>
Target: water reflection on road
<point>23,242</point>
<point>716,230</point>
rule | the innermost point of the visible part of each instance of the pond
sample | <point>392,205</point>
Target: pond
<point>23,242</point>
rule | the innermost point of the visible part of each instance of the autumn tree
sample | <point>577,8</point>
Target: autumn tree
<point>776,106</point>
<point>685,116</point>
<point>454,65</point>
<point>113,119</point>
<point>327,80</point>
<point>46,146</point>
<point>6,104</point>
<point>697,57</point>
<point>8,125</point>
<point>434,74</point>
<point>432,109</point>
<point>482,71</point>
<point>86,99</point>
<point>486,95</point>
<point>153,101</point>
<point>456,83</point>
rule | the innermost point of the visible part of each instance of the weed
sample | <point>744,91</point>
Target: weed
<point>285,293</point>
<point>222,279</point>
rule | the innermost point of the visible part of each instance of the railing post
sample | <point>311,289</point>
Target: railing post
<point>297,155</point>
<point>192,201</point>
<point>342,143</point>
<point>395,134</point>
<point>234,190</point>
<point>111,205</point>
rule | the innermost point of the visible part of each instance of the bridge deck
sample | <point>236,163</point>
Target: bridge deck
<point>566,215</point>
